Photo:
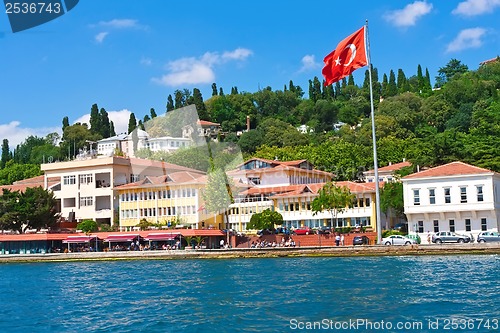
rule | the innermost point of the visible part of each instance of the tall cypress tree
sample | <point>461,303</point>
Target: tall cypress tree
<point>214,89</point>
<point>385,83</point>
<point>428,86</point>
<point>153,113</point>
<point>65,123</point>
<point>392,89</point>
<point>221,92</point>
<point>170,103</point>
<point>111,129</point>
<point>6,156</point>
<point>401,81</point>
<point>200,105</point>
<point>420,78</point>
<point>132,123</point>
<point>104,123</point>
<point>350,81</point>
<point>95,121</point>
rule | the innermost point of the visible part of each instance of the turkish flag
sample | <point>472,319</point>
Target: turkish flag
<point>349,55</point>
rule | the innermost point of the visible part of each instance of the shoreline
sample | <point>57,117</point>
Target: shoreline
<point>341,251</point>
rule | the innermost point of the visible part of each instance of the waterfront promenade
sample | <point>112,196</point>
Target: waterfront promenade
<point>340,251</point>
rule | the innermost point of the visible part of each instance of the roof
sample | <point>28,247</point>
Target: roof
<point>175,178</point>
<point>119,137</point>
<point>207,123</point>
<point>105,235</point>
<point>390,168</point>
<point>22,185</point>
<point>489,61</point>
<point>291,190</point>
<point>456,168</point>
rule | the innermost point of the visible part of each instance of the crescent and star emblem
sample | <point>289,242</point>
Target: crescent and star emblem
<point>353,55</point>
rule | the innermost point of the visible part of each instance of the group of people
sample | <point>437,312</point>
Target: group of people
<point>339,239</point>
<point>264,243</point>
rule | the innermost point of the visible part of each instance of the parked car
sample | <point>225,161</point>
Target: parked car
<point>323,230</point>
<point>398,240</point>
<point>416,237</point>
<point>304,231</point>
<point>449,237</point>
<point>360,240</point>
<point>488,236</point>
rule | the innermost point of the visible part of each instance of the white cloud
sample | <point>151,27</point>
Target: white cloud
<point>467,39</point>
<point>409,15</point>
<point>476,7</point>
<point>119,119</point>
<point>191,70</point>
<point>16,134</point>
<point>146,61</point>
<point>99,38</point>
<point>120,23</point>
<point>308,63</point>
<point>237,54</point>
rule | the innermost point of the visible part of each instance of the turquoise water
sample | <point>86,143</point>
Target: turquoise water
<point>253,295</point>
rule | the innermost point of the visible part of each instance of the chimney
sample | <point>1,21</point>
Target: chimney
<point>248,123</point>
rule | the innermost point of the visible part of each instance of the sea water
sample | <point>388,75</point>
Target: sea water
<point>361,294</point>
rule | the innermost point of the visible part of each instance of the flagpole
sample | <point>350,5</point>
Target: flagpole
<point>375,162</point>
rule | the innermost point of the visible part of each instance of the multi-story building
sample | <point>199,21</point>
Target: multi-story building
<point>123,143</point>
<point>87,188</point>
<point>454,197</point>
<point>289,188</point>
<point>386,174</point>
<point>175,197</point>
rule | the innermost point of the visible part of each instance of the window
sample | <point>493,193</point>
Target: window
<point>484,224</point>
<point>463,194</point>
<point>452,225</point>
<point>416,197</point>
<point>69,180</point>
<point>86,201</point>
<point>436,225</point>
<point>467,225</point>
<point>479,190</point>
<point>447,195</point>
<point>420,226</point>
<point>367,202</point>
<point>86,178</point>
<point>432,196</point>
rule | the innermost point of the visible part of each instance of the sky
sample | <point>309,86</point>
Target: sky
<point>129,55</point>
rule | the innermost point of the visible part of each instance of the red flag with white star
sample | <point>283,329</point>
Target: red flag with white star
<point>349,55</point>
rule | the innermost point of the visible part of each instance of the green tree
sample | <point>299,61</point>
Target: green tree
<point>267,219</point>
<point>87,226</point>
<point>334,199</point>
<point>391,200</point>
<point>452,68</point>
<point>132,123</point>
<point>6,155</point>
<point>218,194</point>
<point>65,123</point>
<point>95,119</point>
<point>104,129</point>
<point>392,89</point>
<point>153,113</point>
<point>38,208</point>
<point>112,131</point>
<point>197,100</point>
<point>214,89</point>
<point>170,103</point>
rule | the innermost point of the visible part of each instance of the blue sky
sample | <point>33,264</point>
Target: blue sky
<point>129,55</point>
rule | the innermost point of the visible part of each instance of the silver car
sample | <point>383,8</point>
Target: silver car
<point>449,237</point>
<point>398,240</point>
<point>488,236</point>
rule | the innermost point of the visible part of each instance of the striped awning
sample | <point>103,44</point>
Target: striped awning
<point>161,236</point>
<point>121,238</point>
<point>79,239</point>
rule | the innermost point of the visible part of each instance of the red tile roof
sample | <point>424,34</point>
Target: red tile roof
<point>390,168</point>
<point>207,123</point>
<point>451,169</point>
<point>22,185</point>
<point>175,178</point>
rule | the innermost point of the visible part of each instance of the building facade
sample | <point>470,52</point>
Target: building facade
<point>455,197</point>
<point>289,188</point>
<point>87,189</point>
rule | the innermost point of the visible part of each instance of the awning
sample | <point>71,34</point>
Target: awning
<point>121,238</point>
<point>161,236</point>
<point>79,239</point>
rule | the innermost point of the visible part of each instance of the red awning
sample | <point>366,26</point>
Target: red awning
<point>161,236</point>
<point>79,239</point>
<point>121,238</point>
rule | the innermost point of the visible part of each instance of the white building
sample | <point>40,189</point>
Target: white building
<point>125,143</point>
<point>453,197</point>
<point>386,174</point>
